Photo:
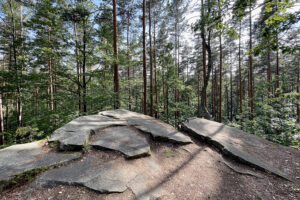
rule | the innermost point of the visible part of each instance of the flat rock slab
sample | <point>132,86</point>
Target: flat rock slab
<point>20,158</point>
<point>157,128</point>
<point>75,134</point>
<point>114,176</point>
<point>231,141</point>
<point>122,139</point>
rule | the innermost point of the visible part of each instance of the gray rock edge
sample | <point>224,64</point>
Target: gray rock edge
<point>241,156</point>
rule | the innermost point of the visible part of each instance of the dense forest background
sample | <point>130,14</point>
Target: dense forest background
<point>236,62</point>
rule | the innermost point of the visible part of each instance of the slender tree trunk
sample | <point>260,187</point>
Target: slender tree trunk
<point>209,66</point>
<point>220,79</point>
<point>298,98</point>
<point>203,55</point>
<point>50,73</point>
<point>77,69</point>
<point>213,93</point>
<point>2,139</point>
<point>128,68</point>
<point>231,94</point>
<point>269,73</point>
<point>116,66</point>
<point>6,116</point>
<point>240,73</point>
<point>144,59</point>
<point>251,95</point>
<point>151,64</point>
<point>277,67</point>
<point>198,94</point>
<point>84,67</point>
<point>155,72</point>
<point>1,121</point>
<point>14,38</point>
<point>227,101</point>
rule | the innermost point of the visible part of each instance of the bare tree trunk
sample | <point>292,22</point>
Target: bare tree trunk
<point>151,65</point>
<point>50,74</point>
<point>251,95</point>
<point>77,69</point>
<point>298,98</point>
<point>198,94</point>
<point>209,66</point>
<point>1,120</point>
<point>6,117</point>
<point>84,67</point>
<point>155,72</point>
<point>231,94</point>
<point>128,68</point>
<point>144,59</point>
<point>14,38</point>
<point>240,73</point>
<point>116,68</point>
<point>220,79</point>
<point>213,93</point>
<point>269,73</point>
<point>277,67</point>
<point>205,47</point>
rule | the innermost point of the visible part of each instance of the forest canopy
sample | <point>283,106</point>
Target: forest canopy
<point>235,62</point>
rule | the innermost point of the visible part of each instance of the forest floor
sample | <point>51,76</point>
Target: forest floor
<point>193,171</point>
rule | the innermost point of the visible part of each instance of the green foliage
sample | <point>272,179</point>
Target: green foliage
<point>28,134</point>
<point>274,118</point>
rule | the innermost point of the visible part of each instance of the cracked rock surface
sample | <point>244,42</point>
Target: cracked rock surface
<point>122,139</point>
<point>156,128</point>
<point>232,141</point>
<point>106,177</point>
<point>21,158</point>
<point>75,134</point>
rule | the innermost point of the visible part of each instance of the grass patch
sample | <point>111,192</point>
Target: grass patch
<point>169,154</point>
<point>21,178</point>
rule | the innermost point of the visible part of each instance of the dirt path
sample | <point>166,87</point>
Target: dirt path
<point>193,171</point>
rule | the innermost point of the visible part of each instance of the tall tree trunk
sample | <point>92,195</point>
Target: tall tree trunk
<point>144,59</point>
<point>155,71</point>
<point>213,93</point>
<point>1,121</point>
<point>77,69</point>
<point>203,55</point>
<point>50,73</point>
<point>277,66</point>
<point>298,98</point>
<point>14,38</point>
<point>231,94</point>
<point>209,66</point>
<point>128,68</point>
<point>269,75</point>
<point>205,47</point>
<point>240,73</point>
<point>221,70</point>
<point>151,65</point>
<point>220,79</point>
<point>84,67</point>
<point>251,95</point>
<point>198,94</point>
<point>116,66</point>
<point>2,139</point>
